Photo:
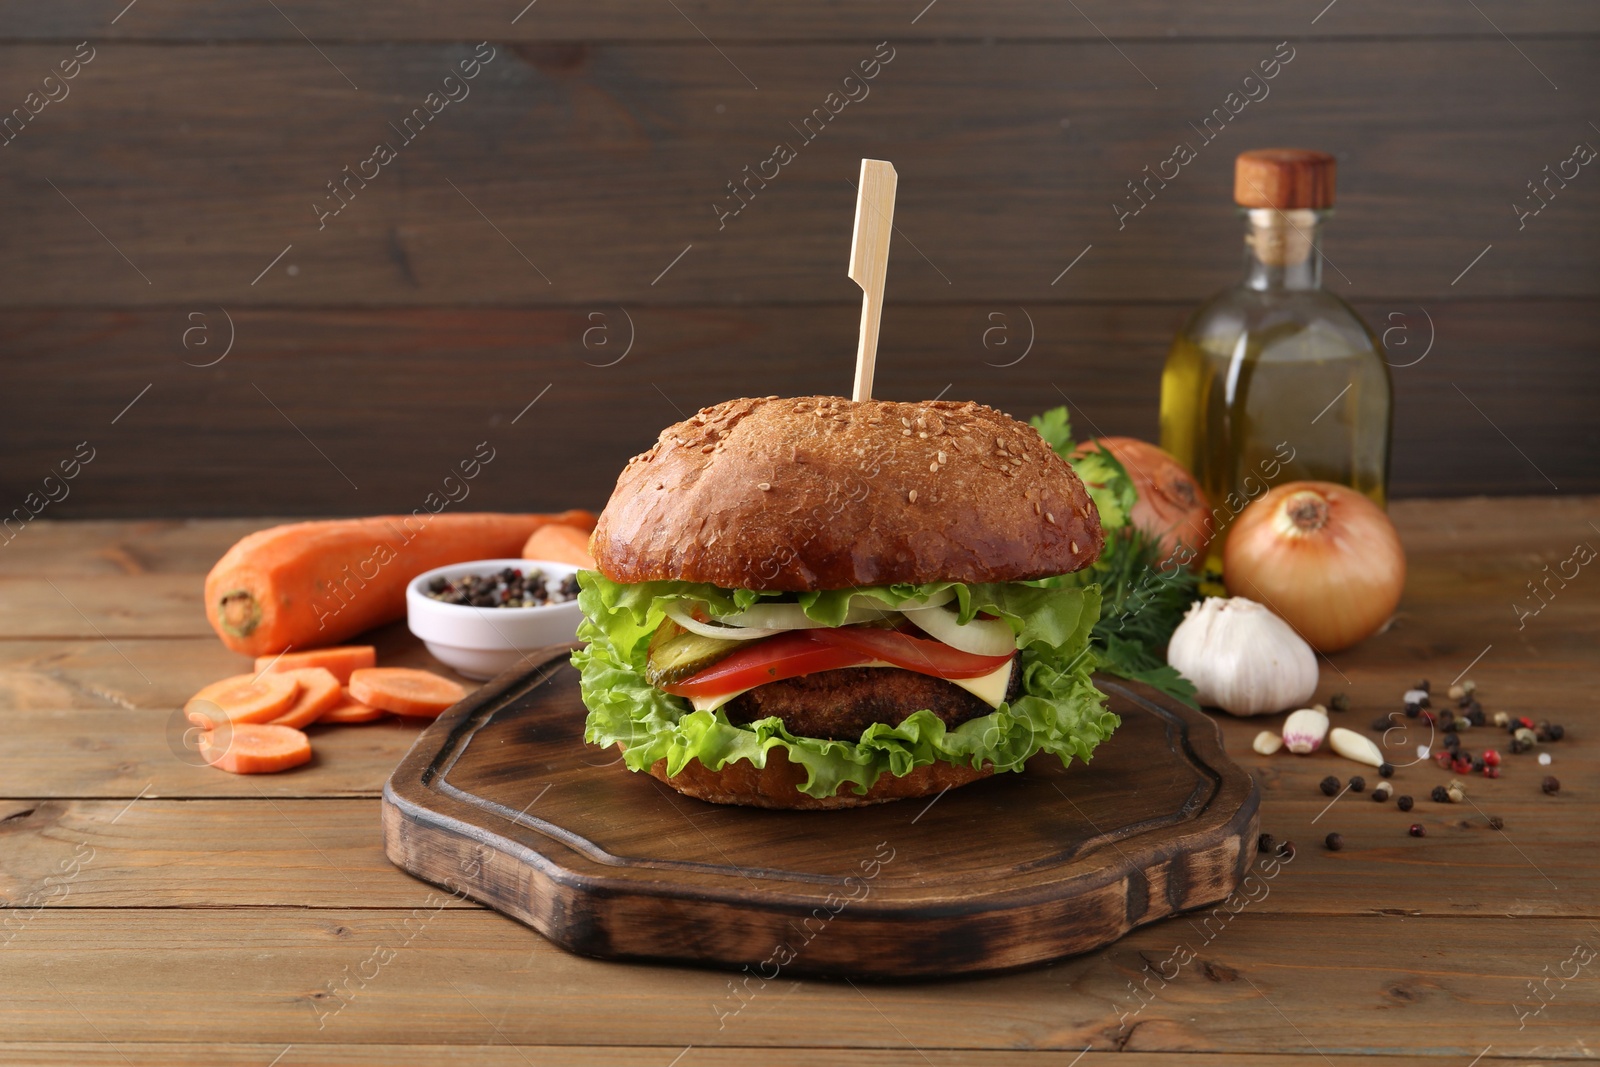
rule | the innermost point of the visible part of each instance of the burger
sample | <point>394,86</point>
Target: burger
<point>813,602</point>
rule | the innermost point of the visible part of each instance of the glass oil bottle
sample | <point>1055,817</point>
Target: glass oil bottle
<point>1276,379</point>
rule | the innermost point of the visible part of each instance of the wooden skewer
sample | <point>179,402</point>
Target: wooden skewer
<point>869,260</point>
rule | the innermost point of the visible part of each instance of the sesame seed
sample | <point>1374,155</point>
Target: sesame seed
<point>764,486</point>
<point>934,467</point>
<point>906,423</point>
<point>941,457</point>
<point>1050,518</point>
<point>1074,546</point>
<point>923,434</point>
<point>912,496</point>
<point>709,449</point>
<point>907,433</point>
<point>1036,507</point>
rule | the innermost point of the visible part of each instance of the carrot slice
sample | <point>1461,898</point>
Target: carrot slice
<point>351,710</point>
<point>338,661</point>
<point>560,543</point>
<point>405,690</point>
<point>243,698</point>
<point>256,748</point>
<point>319,691</point>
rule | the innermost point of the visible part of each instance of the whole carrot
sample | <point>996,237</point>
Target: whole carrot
<point>308,584</point>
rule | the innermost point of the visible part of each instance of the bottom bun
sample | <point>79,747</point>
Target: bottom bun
<point>777,785</point>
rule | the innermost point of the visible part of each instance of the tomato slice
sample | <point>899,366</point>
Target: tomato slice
<point>772,659</point>
<point>920,654</point>
<point>802,652</point>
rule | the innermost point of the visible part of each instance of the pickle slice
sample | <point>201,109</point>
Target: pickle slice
<point>676,654</point>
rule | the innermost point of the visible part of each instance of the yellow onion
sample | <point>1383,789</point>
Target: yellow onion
<point>1171,506</point>
<point>1323,556</point>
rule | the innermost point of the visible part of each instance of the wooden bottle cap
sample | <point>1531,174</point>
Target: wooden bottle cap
<point>1283,178</point>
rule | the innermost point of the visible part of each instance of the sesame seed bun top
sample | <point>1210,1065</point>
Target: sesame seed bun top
<point>808,493</point>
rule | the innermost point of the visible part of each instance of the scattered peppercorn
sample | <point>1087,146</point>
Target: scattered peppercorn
<point>1264,843</point>
<point>1550,784</point>
<point>1456,692</point>
<point>1413,710</point>
<point>1403,803</point>
<point>1330,786</point>
<point>1424,686</point>
<point>1358,784</point>
<point>1491,772</point>
<point>1461,765</point>
<point>1524,722</point>
<point>1522,740</point>
<point>1417,830</point>
<point>1440,795</point>
<point>1478,764</point>
<point>1496,823</point>
<point>1447,719</point>
<point>1451,742</point>
<point>1491,758</point>
<point>1500,718</point>
<point>1339,702</point>
<point>1386,769</point>
<point>1334,842</point>
<point>1469,686</point>
<point>1475,715</point>
<point>1557,731</point>
<point>1286,850</point>
<point>1381,791</point>
<point>1381,723</point>
<point>1455,794</point>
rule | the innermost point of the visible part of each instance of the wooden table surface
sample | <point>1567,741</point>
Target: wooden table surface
<point>159,912</point>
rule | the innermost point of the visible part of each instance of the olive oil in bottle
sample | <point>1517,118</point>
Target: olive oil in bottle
<point>1276,379</point>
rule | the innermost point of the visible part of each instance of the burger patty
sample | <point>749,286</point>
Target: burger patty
<point>839,705</point>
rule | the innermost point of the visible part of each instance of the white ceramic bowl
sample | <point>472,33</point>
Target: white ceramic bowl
<point>482,642</point>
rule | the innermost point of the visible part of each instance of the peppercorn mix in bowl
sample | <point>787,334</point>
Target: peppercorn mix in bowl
<point>485,616</point>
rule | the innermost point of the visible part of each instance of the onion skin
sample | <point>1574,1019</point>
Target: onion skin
<point>1171,506</point>
<point>1323,557</point>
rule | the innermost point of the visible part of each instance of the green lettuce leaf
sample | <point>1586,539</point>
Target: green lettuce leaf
<point>1059,710</point>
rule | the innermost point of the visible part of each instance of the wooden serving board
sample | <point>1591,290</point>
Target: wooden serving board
<point>502,801</point>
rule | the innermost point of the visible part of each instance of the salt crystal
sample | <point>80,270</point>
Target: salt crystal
<point>1544,759</point>
<point>1422,751</point>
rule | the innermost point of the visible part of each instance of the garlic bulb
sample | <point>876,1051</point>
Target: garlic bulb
<point>1242,658</point>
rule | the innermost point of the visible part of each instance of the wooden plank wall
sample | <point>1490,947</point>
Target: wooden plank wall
<point>572,205</point>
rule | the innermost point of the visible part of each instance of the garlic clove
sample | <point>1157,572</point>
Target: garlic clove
<point>1242,658</point>
<point>1354,746</point>
<point>1304,730</point>
<point>1267,742</point>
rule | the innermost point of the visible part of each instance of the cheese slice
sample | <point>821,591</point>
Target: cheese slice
<point>989,688</point>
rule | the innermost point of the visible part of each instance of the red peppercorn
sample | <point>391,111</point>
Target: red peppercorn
<point>1491,771</point>
<point>1443,758</point>
<point>1461,766</point>
<point>1491,758</point>
<point>1524,722</point>
<point>1417,830</point>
